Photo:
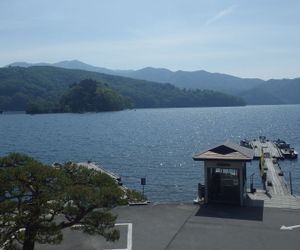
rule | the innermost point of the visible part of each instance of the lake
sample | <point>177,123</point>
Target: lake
<point>154,143</point>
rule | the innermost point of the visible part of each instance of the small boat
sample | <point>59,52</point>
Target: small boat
<point>246,143</point>
<point>282,144</point>
<point>56,165</point>
<point>262,139</point>
<point>279,141</point>
<point>289,153</point>
<point>138,203</point>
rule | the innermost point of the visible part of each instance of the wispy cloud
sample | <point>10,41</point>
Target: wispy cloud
<point>220,15</point>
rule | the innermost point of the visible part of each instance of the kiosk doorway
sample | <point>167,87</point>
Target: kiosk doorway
<point>223,185</point>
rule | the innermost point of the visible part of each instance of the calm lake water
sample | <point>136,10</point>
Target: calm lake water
<point>154,143</point>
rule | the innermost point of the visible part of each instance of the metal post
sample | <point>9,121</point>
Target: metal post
<point>252,183</point>
<point>143,183</point>
<point>291,184</point>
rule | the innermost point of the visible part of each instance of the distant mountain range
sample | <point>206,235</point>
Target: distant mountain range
<point>252,90</point>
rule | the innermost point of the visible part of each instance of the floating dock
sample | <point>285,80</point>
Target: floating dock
<point>117,178</point>
<point>277,192</point>
<point>266,146</point>
<point>97,167</point>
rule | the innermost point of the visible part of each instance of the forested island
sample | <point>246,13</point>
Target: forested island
<point>45,89</point>
<point>85,96</point>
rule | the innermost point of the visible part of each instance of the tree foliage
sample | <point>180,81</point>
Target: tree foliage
<point>38,201</point>
<point>88,95</point>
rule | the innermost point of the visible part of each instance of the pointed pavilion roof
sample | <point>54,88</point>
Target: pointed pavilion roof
<point>226,151</point>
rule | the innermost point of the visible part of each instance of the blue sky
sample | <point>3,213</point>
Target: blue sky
<point>247,38</point>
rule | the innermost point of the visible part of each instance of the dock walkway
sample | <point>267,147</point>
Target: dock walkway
<point>277,193</point>
<point>259,145</point>
<point>261,198</point>
<point>278,183</point>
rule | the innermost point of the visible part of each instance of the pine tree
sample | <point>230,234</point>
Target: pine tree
<point>38,201</point>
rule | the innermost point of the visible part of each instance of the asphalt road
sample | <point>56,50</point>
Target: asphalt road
<point>187,226</point>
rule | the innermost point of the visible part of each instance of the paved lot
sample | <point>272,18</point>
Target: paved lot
<point>232,228</point>
<point>75,240</point>
<point>182,226</point>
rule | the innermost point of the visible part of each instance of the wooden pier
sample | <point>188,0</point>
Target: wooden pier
<point>277,192</point>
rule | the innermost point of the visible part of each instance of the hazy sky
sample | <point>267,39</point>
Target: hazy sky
<point>248,38</point>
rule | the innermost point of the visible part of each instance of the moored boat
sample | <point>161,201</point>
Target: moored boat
<point>289,153</point>
<point>246,143</point>
<point>281,144</point>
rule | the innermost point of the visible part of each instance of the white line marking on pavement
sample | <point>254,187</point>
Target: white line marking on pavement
<point>129,236</point>
<point>289,228</point>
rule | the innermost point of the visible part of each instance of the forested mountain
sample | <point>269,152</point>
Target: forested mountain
<point>72,64</point>
<point>20,87</point>
<point>285,91</point>
<point>183,79</point>
<point>254,91</point>
<point>196,79</point>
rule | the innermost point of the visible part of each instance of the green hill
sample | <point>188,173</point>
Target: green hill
<point>20,86</point>
<point>284,91</point>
